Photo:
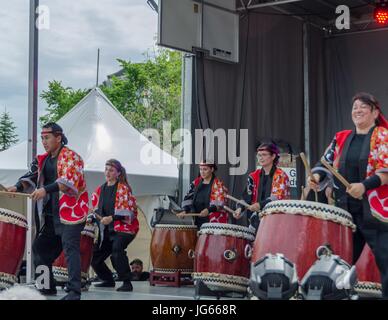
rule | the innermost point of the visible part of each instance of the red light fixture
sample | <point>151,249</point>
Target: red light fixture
<point>381,13</point>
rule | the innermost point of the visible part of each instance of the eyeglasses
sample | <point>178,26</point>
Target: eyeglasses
<point>262,155</point>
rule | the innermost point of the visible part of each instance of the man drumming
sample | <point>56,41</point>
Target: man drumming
<point>56,180</point>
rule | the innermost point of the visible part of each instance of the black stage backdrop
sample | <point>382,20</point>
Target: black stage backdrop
<point>264,92</point>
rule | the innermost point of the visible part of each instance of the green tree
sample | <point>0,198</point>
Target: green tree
<point>149,93</point>
<point>145,93</point>
<point>8,137</point>
<point>60,100</point>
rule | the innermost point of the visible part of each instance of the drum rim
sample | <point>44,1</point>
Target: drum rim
<point>219,229</point>
<point>19,219</point>
<point>312,203</point>
<point>90,230</point>
<point>222,280</point>
<point>217,225</point>
<point>175,226</point>
<point>335,214</point>
<point>7,280</point>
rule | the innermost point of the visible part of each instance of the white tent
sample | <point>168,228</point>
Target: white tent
<point>97,131</point>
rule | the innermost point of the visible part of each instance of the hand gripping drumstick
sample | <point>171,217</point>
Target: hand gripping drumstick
<point>308,171</point>
<point>242,202</point>
<point>226,208</point>
<point>335,173</point>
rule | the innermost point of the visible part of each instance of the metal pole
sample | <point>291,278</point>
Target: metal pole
<point>268,4</point>
<point>33,82</point>
<point>32,117</point>
<point>187,106</point>
<point>306,91</point>
<point>98,65</point>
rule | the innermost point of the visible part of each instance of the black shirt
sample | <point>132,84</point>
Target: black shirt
<point>50,176</point>
<point>264,194</point>
<point>144,276</point>
<point>352,170</point>
<point>202,201</point>
<point>108,200</point>
<point>353,158</point>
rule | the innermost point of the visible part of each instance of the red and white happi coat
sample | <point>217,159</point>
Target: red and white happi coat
<point>74,202</point>
<point>217,198</point>
<point>125,206</point>
<point>377,162</point>
<point>280,189</point>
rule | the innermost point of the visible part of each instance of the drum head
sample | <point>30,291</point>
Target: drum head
<point>225,229</point>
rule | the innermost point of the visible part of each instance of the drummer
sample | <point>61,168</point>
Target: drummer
<point>264,185</point>
<point>57,182</point>
<point>361,157</point>
<point>206,196</point>
<point>116,211</point>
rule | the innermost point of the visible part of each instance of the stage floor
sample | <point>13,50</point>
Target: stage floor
<point>141,291</point>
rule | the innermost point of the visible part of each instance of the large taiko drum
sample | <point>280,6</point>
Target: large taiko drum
<point>297,229</point>
<point>172,248</point>
<point>369,279</point>
<point>13,229</point>
<point>222,256</point>
<point>88,237</point>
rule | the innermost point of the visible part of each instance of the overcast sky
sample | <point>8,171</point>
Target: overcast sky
<point>122,29</point>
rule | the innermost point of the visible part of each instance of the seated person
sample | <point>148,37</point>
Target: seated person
<point>137,273</point>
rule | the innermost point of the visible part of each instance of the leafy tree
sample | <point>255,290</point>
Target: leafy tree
<point>145,93</point>
<point>8,137</point>
<point>59,100</point>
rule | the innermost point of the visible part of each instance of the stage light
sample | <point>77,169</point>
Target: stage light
<point>381,13</point>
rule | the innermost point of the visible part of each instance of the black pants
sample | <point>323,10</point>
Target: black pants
<point>378,242</point>
<point>114,245</point>
<point>48,246</point>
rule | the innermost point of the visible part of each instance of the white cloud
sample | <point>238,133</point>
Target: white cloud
<point>68,50</point>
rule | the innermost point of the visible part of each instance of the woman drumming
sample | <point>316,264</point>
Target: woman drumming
<point>361,156</point>
<point>264,185</point>
<point>116,211</point>
<point>206,196</point>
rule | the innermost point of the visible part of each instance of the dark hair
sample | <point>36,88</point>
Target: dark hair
<point>137,261</point>
<point>368,99</point>
<point>272,148</point>
<point>123,174</point>
<point>209,163</point>
<point>56,130</point>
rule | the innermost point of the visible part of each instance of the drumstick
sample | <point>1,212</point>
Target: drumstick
<point>242,202</point>
<point>192,214</point>
<point>302,197</point>
<point>16,194</point>
<point>226,208</point>
<point>308,171</point>
<point>335,173</point>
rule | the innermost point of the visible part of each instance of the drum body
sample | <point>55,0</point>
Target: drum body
<point>13,230</point>
<point>222,256</point>
<point>88,236</point>
<point>172,248</point>
<point>297,229</point>
<point>369,279</point>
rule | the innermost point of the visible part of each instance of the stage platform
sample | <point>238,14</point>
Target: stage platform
<point>142,290</point>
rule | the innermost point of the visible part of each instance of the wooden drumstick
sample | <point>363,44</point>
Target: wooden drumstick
<point>192,214</point>
<point>242,202</point>
<point>226,208</point>
<point>308,171</point>
<point>302,197</point>
<point>335,173</point>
